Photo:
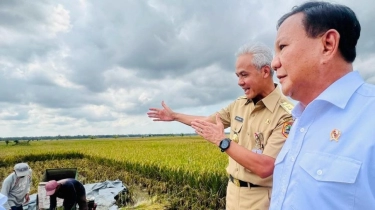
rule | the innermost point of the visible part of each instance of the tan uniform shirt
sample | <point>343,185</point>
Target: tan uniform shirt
<point>269,121</point>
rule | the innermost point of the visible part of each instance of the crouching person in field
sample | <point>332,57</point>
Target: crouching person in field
<point>71,190</point>
<point>17,187</point>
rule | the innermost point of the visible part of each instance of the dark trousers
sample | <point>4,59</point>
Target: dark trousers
<point>71,204</point>
<point>16,207</point>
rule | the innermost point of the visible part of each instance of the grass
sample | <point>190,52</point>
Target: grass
<point>185,172</point>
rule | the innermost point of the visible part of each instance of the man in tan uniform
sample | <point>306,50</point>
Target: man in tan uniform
<point>259,121</point>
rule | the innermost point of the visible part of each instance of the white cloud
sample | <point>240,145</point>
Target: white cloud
<point>93,67</point>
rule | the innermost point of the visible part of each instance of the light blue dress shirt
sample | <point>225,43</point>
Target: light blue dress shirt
<point>315,171</point>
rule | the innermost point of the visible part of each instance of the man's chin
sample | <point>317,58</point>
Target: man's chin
<point>285,89</point>
<point>249,96</point>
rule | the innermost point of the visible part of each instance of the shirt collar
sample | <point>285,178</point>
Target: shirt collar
<point>338,93</point>
<point>342,90</point>
<point>272,99</point>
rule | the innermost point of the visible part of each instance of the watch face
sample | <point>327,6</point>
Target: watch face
<point>224,144</point>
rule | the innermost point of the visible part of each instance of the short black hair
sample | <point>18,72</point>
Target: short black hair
<point>319,17</point>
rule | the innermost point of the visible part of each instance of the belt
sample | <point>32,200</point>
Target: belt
<point>240,183</point>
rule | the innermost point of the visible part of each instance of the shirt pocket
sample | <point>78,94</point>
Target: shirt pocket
<point>329,177</point>
<point>330,168</point>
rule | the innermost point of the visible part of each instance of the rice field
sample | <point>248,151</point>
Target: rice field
<point>186,172</point>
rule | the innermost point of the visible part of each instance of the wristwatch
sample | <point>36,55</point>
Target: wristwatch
<point>224,144</point>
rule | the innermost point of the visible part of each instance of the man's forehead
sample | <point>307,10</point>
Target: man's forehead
<point>244,60</point>
<point>293,22</point>
<point>293,19</point>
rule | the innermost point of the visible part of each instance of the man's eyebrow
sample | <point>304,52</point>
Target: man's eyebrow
<point>240,72</point>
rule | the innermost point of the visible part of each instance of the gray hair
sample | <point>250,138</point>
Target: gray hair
<point>262,55</point>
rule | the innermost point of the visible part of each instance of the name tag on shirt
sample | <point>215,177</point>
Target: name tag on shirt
<point>239,119</point>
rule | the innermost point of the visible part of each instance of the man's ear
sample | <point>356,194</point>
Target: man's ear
<point>330,41</point>
<point>266,71</point>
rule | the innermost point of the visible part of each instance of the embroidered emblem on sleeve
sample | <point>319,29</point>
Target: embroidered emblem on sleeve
<point>286,128</point>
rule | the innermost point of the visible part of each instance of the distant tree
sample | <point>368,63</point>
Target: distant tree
<point>7,142</point>
<point>182,134</point>
<point>16,141</point>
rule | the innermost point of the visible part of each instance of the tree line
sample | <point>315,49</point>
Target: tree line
<point>61,137</point>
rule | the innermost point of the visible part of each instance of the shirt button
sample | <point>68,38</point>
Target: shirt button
<point>292,159</point>
<point>236,169</point>
<point>319,172</point>
<point>302,130</point>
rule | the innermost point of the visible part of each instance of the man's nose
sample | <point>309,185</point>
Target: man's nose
<point>275,64</point>
<point>240,81</point>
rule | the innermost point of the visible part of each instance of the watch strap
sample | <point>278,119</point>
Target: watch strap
<point>227,140</point>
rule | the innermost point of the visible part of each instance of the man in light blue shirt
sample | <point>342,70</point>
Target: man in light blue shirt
<point>3,199</point>
<point>328,160</point>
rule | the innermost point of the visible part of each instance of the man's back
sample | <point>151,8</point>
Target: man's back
<point>69,188</point>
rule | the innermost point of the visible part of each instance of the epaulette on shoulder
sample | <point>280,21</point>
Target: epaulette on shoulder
<point>287,106</point>
<point>242,97</point>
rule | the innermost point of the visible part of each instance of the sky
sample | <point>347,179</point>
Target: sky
<point>95,67</point>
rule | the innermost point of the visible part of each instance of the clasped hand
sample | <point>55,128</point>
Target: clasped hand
<point>213,132</point>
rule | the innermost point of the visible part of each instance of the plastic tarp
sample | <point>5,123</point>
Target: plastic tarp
<point>103,192</point>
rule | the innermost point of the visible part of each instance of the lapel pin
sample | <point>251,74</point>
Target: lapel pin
<point>335,135</point>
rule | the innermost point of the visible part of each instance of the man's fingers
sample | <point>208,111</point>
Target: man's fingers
<point>194,126</point>
<point>197,127</point>
<point>164,105</point>
<point>153,109</point>
<point>197,124</point>
<point>152,114</point>
<point>202,122</point>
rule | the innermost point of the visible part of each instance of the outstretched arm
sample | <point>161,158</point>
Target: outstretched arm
<point>167,114</point>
